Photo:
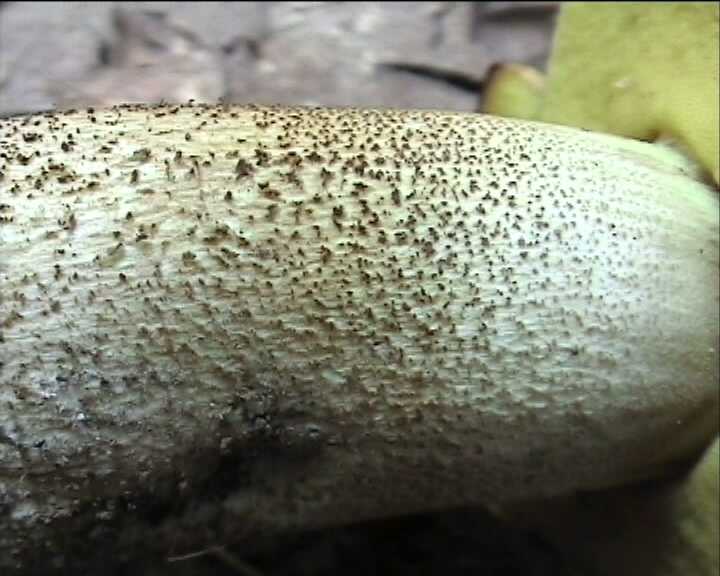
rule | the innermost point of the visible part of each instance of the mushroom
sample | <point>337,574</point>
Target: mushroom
<point>344,313</point>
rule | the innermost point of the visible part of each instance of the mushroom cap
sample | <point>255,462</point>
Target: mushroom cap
<point>367,311</point>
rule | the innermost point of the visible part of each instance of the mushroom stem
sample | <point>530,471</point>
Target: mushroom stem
<point>666,527</point>
<point>306,316</point>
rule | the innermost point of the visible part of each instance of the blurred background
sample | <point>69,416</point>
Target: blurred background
<point>389,54</point>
